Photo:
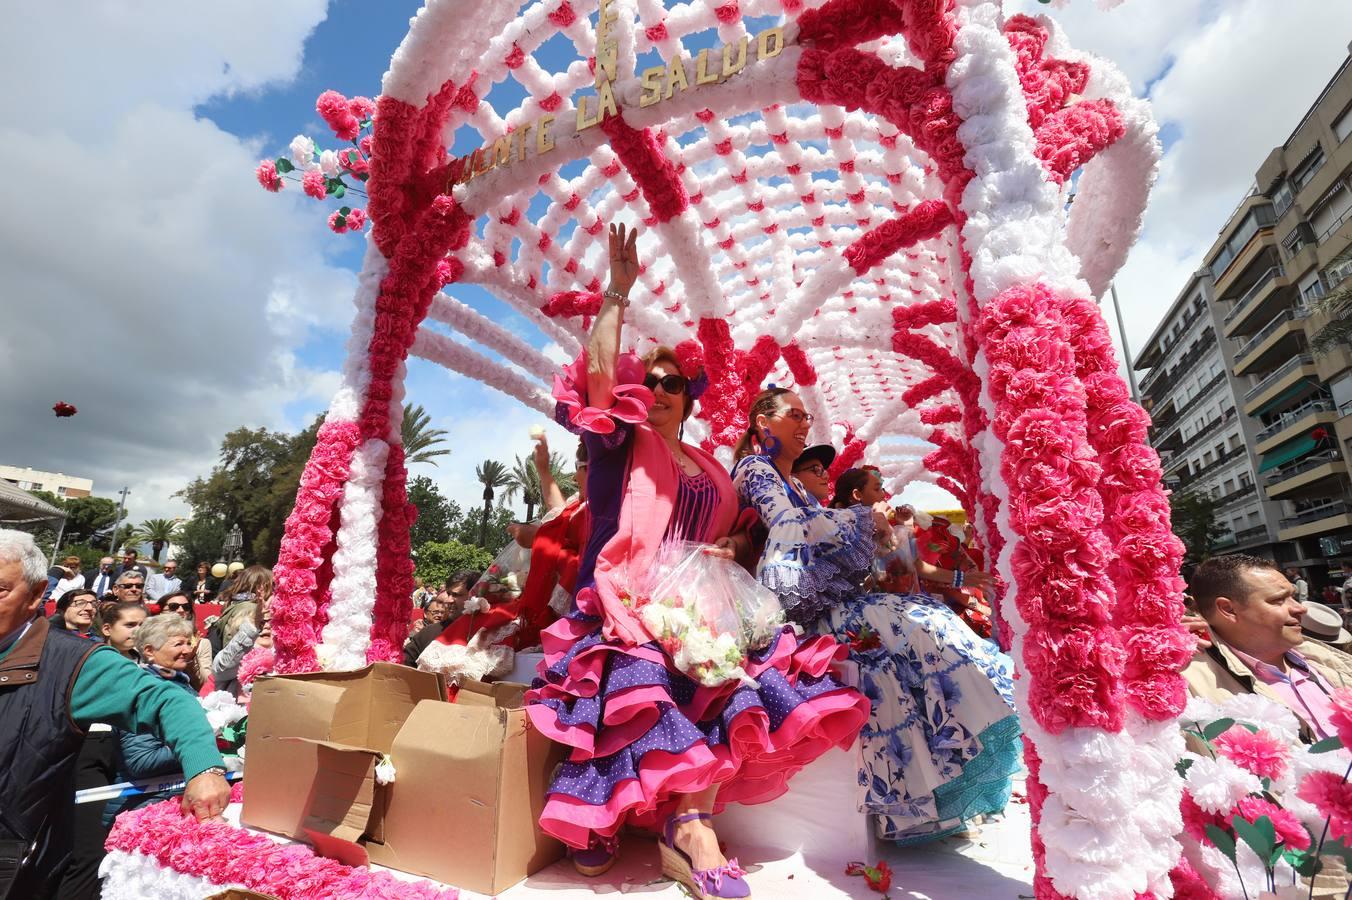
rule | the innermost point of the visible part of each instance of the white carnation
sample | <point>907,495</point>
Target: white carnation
<point>1217,785</point>
<point>303,152</point>
<point>1266,714</point>
<point>328,163</point>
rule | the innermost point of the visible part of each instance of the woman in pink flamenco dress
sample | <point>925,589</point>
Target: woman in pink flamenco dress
<point>649,746</point>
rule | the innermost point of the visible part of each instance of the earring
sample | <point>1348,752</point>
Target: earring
<point>771,444</point>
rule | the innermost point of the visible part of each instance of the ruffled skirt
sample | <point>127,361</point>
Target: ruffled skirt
<point>641,733</point>
<point>942,743</point>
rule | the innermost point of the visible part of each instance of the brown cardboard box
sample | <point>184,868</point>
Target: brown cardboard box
<point>470,777</point>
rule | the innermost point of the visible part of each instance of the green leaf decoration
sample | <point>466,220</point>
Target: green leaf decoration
<point>1326,745</point>
<point>1217,728</point>
<point>365,176</point>
<point>345,210</point>
<point>1304,862</point>
<point>341,221</point>
<point>1253,729</point>
<point>340,191</point>
<point>1182,767</point>
<point>283,165</point>
<point>1223,841</point>
<point>1260,835</point>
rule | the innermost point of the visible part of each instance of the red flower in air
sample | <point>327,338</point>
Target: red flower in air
<point>879,877</point>
<point>1320,434</point>
<point>63,410</point>
<point>864,640</point>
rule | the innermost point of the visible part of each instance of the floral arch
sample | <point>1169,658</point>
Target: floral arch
<point>868,200</point>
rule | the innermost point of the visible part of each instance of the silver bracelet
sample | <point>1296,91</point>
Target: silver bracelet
<point>616,296</point>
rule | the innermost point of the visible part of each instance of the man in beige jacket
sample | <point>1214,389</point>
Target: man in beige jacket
<point>1257,647</point>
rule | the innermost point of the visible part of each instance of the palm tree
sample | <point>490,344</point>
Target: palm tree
<point>1337,307</point>
<point>157,531</point>
<point>421,444</point>
<point>525,479</point>
<point>491,475</point>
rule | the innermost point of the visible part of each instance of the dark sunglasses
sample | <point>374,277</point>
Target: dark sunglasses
<point>175,607</point>
<point>672,384</point>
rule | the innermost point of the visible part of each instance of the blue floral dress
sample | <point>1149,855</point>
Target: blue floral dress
<point>942,742</point>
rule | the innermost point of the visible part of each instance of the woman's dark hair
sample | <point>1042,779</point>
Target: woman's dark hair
<point>167,597</point>
<point>69,597</point>
<point>663,353</point>
<point>850,480</point>
<point>767,403</point>
<point>581,455</point>
<point>111,613</point>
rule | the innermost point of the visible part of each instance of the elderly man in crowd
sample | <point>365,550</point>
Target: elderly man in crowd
<point>163,583</point>
<point>1257,647</point>
<point>435,618</point>
<point>101,580</point>
<point>60,685</point>
<point>130,587</point>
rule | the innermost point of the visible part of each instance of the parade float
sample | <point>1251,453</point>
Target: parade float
<point>869,201</point>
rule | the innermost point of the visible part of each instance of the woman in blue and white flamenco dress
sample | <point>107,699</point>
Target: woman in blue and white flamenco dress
<point>942,742</point>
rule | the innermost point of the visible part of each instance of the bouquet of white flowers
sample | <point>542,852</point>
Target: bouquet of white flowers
<point>708,613</point>
<point>502,581</point>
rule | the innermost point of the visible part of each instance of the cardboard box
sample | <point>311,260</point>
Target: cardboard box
<point>470,776</point>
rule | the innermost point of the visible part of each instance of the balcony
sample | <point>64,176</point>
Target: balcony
<point>1239,493</point>
<point>1305,473</point>
<point>1224,459</point>
<point>1303,418</point>
<point>1284,334</point>
<point>1287,376</point>
<point>1329,515</point>
<point>1159,382</point>
<point>1264,240</point>
<point>1166,422</point>
<point>1264,296</point>
<point>1154,354</point>
<point>1252,535</point>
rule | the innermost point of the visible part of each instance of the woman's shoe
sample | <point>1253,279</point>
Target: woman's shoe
<point>599,856</point>
<point>726,882</point>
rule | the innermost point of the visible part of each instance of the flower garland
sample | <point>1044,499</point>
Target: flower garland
<point>157,851</point>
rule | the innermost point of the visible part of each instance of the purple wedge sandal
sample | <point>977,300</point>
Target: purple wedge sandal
<point>726,882</point>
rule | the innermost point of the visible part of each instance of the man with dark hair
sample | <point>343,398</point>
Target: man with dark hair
<point>1258,647</point>
<point>454,596</point>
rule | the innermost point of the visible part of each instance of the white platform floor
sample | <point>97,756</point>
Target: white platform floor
<point>998,866</point>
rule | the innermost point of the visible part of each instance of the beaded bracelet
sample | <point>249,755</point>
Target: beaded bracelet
<point>957,578</point>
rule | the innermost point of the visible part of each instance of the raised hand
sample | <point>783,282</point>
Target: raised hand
<point>623,258</point>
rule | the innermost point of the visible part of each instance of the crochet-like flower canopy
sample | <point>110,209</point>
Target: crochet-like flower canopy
<point>868,200</point>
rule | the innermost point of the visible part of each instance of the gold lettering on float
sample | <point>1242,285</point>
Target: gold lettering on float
<point>543,142</point>
<point>651,83</point>
<point>763,51</point>
<point>728,69</point>
<point>656,83</point>
<point>702,73</point>
<point>676,72</point>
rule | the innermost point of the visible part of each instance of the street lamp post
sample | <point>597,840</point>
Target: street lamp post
<point>230,561</point>
<point>117,523</point>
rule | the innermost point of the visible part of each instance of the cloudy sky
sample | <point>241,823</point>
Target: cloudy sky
<point>149,281</point>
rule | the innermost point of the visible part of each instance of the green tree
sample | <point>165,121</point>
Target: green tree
<point>200,539</point>
<point>437,516</point>
<point>496,537</point>
<point>1194,521</point>
<point>524,479</point>
<point>436,561</point>
<point>421,443</point>
<point>156,532</point>
<point>492,475</point>
<point>1337,307</point>
<point>89,520</point>
<point>89,556</point>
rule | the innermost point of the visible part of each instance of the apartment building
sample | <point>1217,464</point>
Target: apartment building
<point>1277,253</point>
<point>52,482</point>
<point>1205,444</point>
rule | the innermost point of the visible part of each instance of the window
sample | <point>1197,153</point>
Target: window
<point>1311,164</point>
<point>1336,273</point>
<point>1331,211</point>
<point>1301,235</point>
<point>1311,288</point>
<point>1282,197</point>
<point>1245,479</point>
<point>1342,126</point>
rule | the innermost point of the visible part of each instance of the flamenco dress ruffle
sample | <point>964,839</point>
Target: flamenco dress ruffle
<point>640,733</point>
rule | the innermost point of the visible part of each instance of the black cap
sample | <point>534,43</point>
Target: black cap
<point>822,453</point>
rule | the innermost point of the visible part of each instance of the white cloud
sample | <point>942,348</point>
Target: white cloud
<point>147,278</point>
<point>1240,75</point>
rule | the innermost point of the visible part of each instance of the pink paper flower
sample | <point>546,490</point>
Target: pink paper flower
<point>1256,751</point>
<point>267,175</point>
<point>356,220</point>
<point>1287,825</point>
<point>333,109</point>
<point>314,184</point>
<point>337,222</point>
<point>361,107</point>
<point>1342,715</point>
<point>1332,796</point>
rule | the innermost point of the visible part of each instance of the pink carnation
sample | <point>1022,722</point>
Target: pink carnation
<point>267,175</point>
<point>1289,830</point>
<point>1332,796</point>
<point>356,220</point>
<point>1255,751</point>
<point>361,107</point>
<point>333,108</point>
<point>1342,715</point>
<point>337,222</point>
<point>1196,819</point>
<point>314,184</point>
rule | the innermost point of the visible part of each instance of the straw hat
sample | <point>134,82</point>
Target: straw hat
<point>1324,623</point>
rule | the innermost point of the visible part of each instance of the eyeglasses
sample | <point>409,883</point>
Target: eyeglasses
<point>798,417</point>
<point>672,384</point>
<point>816,469</point>
<point>175,607</point>
<point>81,604</point>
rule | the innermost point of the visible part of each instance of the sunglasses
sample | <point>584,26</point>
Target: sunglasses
<point>175,607</point>
<point>672,384</point>
<point>131,587</point>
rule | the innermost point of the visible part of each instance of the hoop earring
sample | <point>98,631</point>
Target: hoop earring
<point>771,445</point>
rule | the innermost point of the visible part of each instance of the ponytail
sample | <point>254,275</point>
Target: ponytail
<point>767,403</point>
<point>849,481</point>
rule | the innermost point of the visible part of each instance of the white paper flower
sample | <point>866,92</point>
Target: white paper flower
<point>303,152</point>
<point>1218,784</point>
<point>328,163</point>
<point>1264,713</point>
<point>385,770</point>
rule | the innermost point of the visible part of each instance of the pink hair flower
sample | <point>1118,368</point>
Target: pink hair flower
<point>315,184</point>
<point>267,175</point>
<point>1257,751</point>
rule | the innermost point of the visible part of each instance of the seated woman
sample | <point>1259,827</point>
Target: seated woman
<point>650,746</point>
<point>164,646</point>
<point>942,741</point>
